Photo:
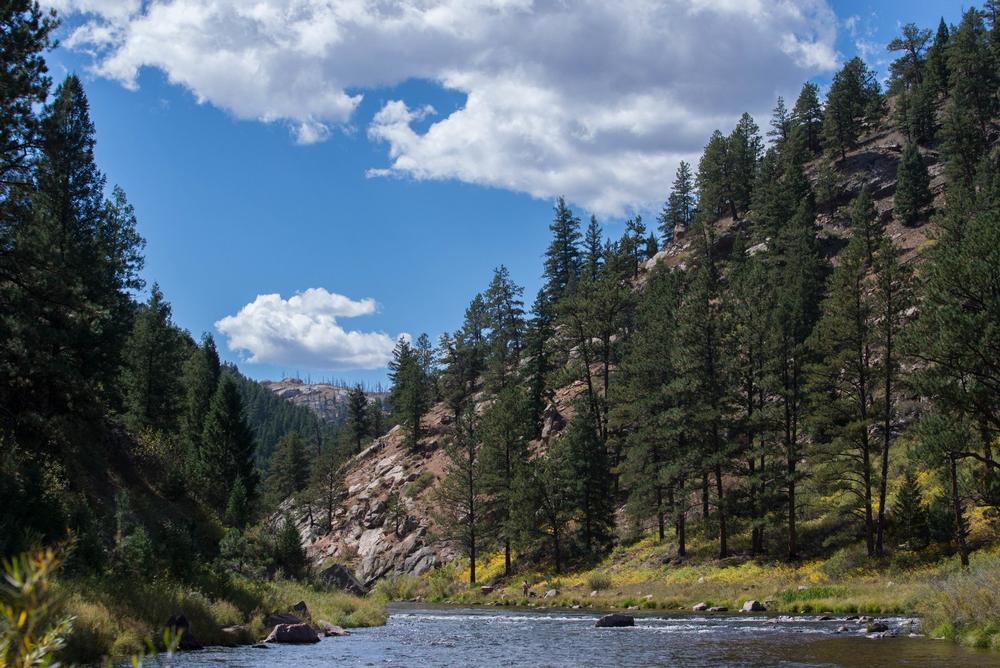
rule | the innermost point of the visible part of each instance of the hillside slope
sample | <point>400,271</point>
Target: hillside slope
<point>363,534</point>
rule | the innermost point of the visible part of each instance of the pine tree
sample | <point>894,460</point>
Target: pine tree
<point>287,550</point>
<point>154,356</point>
<point>460,494</point>
<point>781,122</point>
<point>844,380</point>
<point>288,472</point>
<point>942,439</point>
<point>745,150</point>
<point>227,453</point>
<point>562,258</point>
<point>937,63</point>
<point>716,190</point>
<point>591,486</point>
<point>539,354</point>
<point>972,84</point>
<point>409,397</point>
<point>593,255</point>
<point>632,246</point>
<point>915,113</point>
<point>678,212</point>
<point>505,321</point>
<point>324,486</point>
<point>24,85</point>
<point>201,377</point>
<point>239,508</point>
<point>506,428</point>
<point>645,410</point>
<point>893,296</point>
<point>68,268</point>
<point>358,417</point>
<point>546,500</point>
<point>798,281</point>
<point>864,223</point>
<point>807,115</point>
<point>912,186</point>
<point>747,310</point>
<point>854,98</point>
<point>910,514</point>
<point>907,71</point>
<point>703,377</point>
<point>957,321</point>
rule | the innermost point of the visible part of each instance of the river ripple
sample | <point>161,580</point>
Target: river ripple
<point>460,638</point>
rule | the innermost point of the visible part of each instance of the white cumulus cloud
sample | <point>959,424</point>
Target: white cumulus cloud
<point>303,330</point>
<point>590,99</point>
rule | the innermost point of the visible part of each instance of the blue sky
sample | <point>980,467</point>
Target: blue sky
<point>245,185</point>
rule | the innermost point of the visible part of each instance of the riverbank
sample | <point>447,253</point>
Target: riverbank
<point>116,616</point>
<point>962,606</point>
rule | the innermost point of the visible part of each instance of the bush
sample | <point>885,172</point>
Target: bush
<point>599,582</point>
<point>849,561</point>
<point>397,587</point>
<point>441,585</point>
<point>422,482</point>
<point>966,605</point>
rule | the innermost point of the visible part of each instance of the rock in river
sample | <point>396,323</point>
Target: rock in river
<point>294,634</point>
<point>615,620</point>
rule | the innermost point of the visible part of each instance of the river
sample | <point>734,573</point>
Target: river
<point>460,638</point>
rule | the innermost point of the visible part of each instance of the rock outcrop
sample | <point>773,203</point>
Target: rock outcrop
<point>326,400</point>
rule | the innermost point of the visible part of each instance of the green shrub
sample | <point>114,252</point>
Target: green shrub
<point>599,582</point>
<point>852,560</point>
<point>415,487</point>
<point>397,587</point>
<point>441,585</point>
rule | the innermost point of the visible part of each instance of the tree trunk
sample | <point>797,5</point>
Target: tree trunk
<point>704,495</point>
<point>867,478</point>
<point>659,511</point>
<point>555,550</point>
<point>956,501</point>
<point>681,545</point>
<point>720,493</point>
<point>506,557</point>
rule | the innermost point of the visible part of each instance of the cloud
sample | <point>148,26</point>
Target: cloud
<point>594,100</point>
<point>303,330</point>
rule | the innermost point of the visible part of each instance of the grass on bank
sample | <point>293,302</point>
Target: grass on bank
<point>115,617</point>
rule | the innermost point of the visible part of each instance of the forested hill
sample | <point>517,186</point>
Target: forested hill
<point>792,361</point>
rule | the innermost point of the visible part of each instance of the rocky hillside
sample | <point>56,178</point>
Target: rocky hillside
<point>326,400</point>
<point>374,541</point>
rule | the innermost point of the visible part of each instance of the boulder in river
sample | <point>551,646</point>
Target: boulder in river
<point>293,634</point>
<point>878,627</point>
<point>700,607</point>
<point>615,620</point>
<point>331,630</point>
<point>754,606</point>
<point>718,608</point>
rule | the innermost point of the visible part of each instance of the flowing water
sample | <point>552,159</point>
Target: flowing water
<point>460,638</point>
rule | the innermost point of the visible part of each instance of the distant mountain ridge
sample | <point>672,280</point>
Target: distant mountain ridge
<point>327,400</point>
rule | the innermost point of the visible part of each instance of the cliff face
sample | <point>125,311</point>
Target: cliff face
<point>365,534</point>
<point>327,401</point>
